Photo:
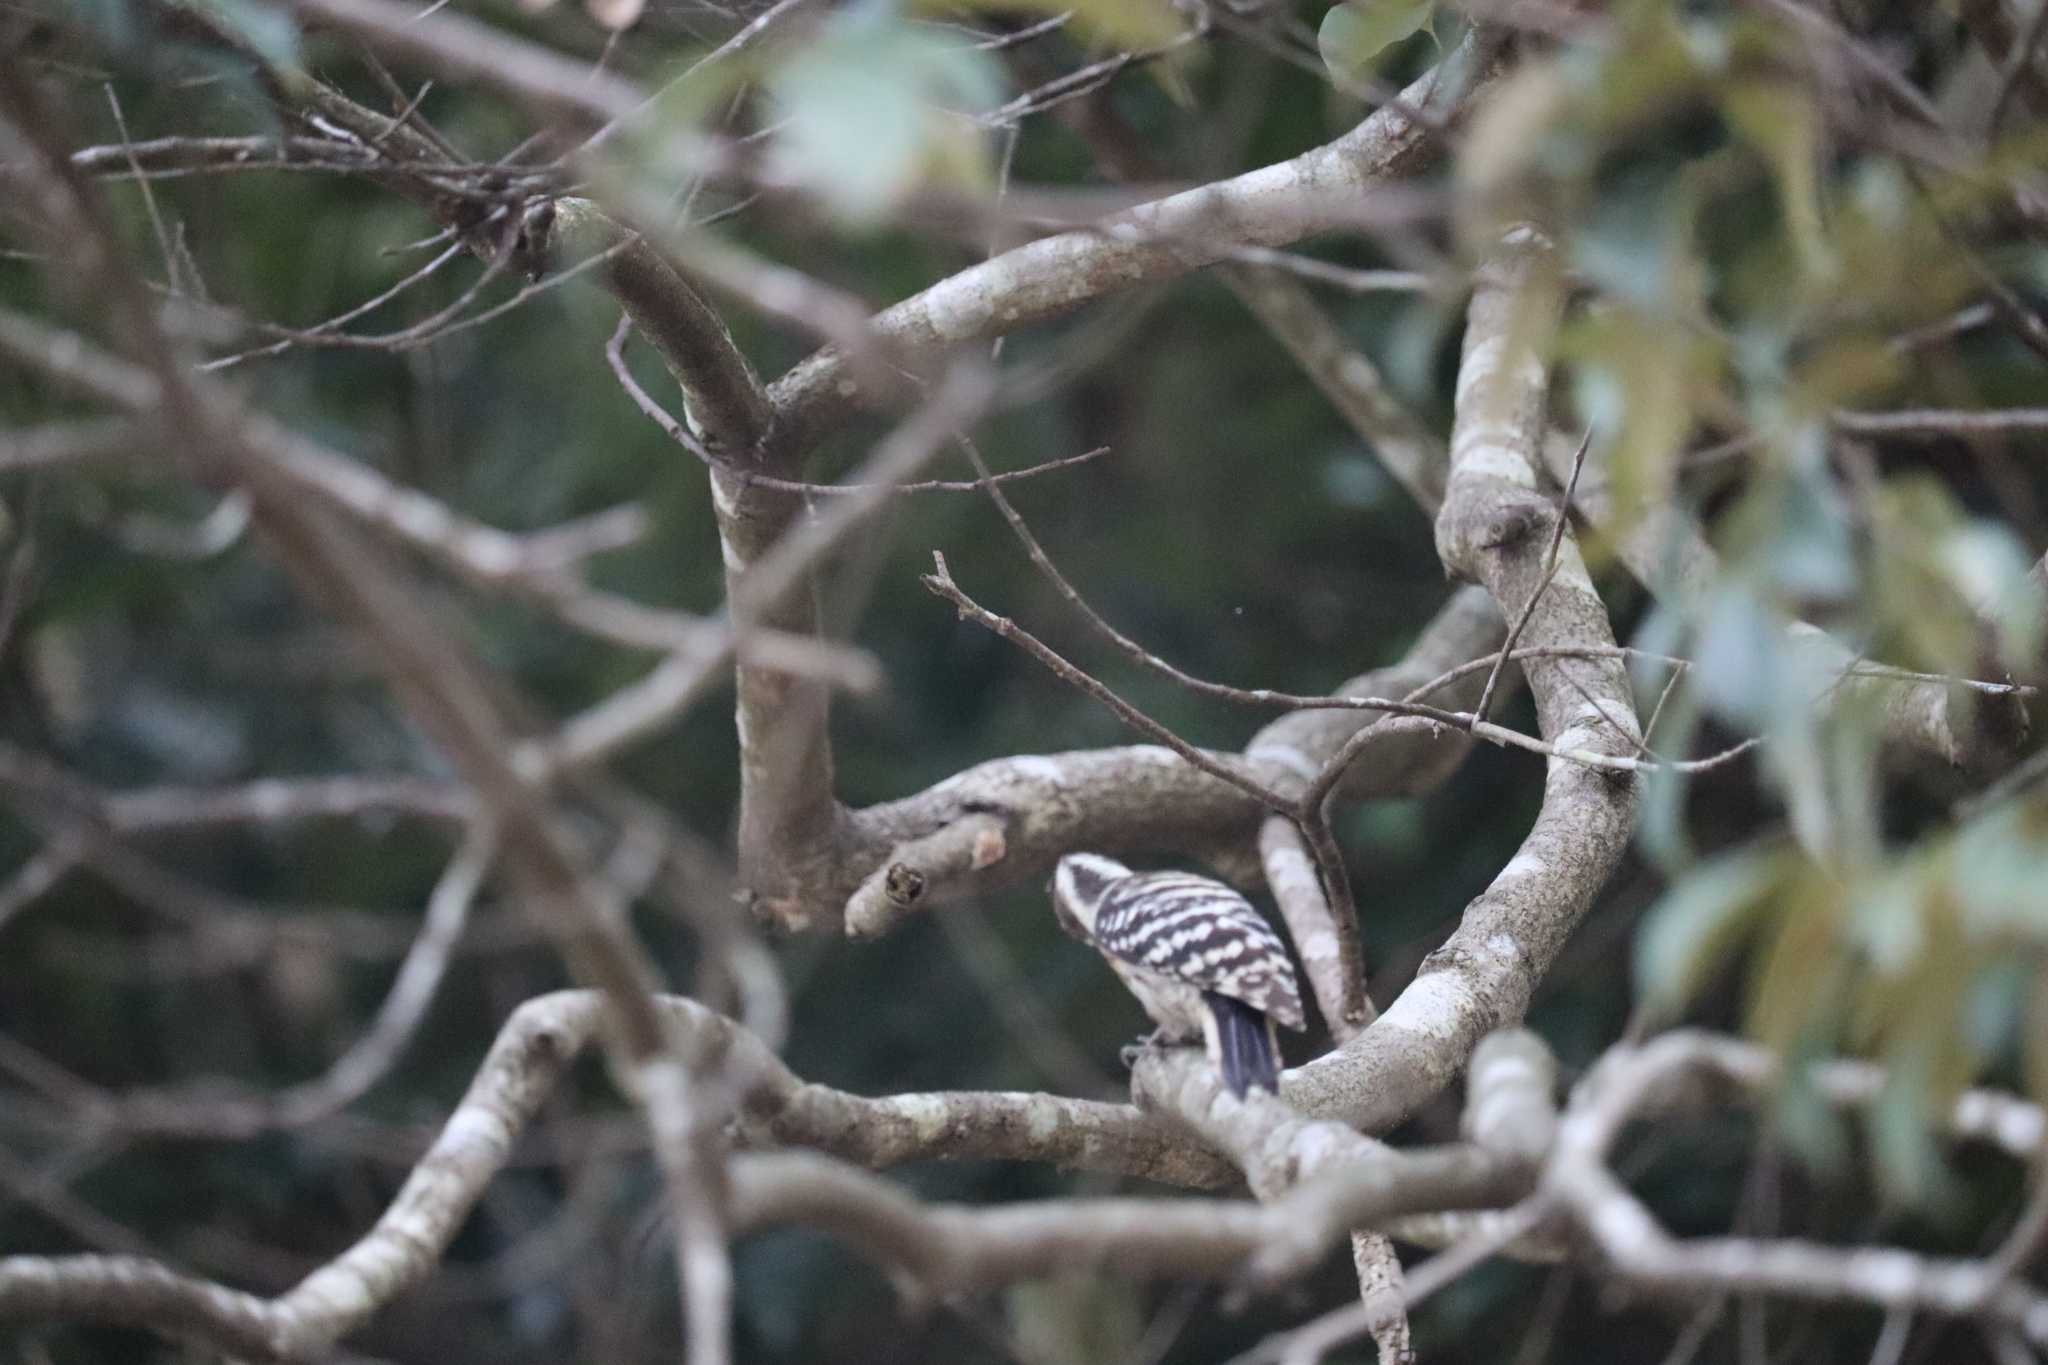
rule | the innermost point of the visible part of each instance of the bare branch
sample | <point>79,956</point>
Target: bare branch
<point>466,49</point>
<point>206,1111</point>
<point>531,566</point>
<point>722,398</point>
<point>1639,1252</point>
<point>1278,204</point>
<point>1332,961</point>
<point>1483,976</point>
<point>1930,424</point>
<point>63,443</point>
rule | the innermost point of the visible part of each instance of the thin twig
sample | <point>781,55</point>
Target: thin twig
<point>940,582</point>
<point>156,218</point>
<point>684,437</point>
<point>1564,516</point>
<point>2016,63</point>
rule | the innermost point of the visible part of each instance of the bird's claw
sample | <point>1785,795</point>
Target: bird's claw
<point>1137,1048</point>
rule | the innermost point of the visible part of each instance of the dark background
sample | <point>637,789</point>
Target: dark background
<point>1236,527</point>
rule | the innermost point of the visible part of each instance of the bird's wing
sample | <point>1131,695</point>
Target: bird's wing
<point>1200,931</point>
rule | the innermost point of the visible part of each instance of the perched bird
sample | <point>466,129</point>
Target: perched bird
<point>1200,959</point>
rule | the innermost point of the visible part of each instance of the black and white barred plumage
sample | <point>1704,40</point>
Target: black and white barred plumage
<point>1200,959</point>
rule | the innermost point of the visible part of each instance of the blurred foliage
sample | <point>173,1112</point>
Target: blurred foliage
<point>872,106</point>
<point>1747,261</point>
<point>1354,34</point>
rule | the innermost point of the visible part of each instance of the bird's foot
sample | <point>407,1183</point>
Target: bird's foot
<point>1138,1047</point>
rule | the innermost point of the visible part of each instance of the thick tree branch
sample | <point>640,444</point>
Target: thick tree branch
<point>1318,191</point>
<point>1494,527</point>
<point>723,401</point>
<point>1141,798</point>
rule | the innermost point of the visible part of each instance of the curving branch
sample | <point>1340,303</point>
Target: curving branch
<point>1140,798</point>
<point>1637,1251</point>
<point>723,401</point>
<point>1495,527</point>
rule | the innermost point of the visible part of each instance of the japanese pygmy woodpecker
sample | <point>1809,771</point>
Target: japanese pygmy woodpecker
<point>1200,959</point>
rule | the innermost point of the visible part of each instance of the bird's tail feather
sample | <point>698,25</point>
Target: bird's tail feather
<point>1245,1046</point>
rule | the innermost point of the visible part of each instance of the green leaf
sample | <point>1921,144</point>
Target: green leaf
<point>1800,986</point>
<point>2035,1067</point>
<point>1989,569</point>
<point>1737,655</point>
<point>1356,32</point>
<point>873,104</point>
<point>1698,923</point>
<point>1997,869</point>
<point>1783,124</point>
<point>1076,1317</point>
<point>1637,374</point>
<point>1127,25</point>
<point>271,31</point>
<point>1908,1161</point>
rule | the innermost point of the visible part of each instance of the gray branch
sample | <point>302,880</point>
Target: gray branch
<point>1496,528</point>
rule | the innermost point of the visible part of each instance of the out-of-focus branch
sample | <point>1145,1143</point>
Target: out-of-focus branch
<point>1639,1252</point>
<point>466,49</point>
<point>448,694</point>
<point>542,567</point>
<point>163,157</point>
<point>62,443</point>
<point>207,1111</point>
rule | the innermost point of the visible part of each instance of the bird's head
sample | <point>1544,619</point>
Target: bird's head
<point>1078,885</point>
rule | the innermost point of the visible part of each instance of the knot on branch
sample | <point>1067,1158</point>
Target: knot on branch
<point>1512,519</point>
<point>919,869</point>
<point>1498,516</point>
